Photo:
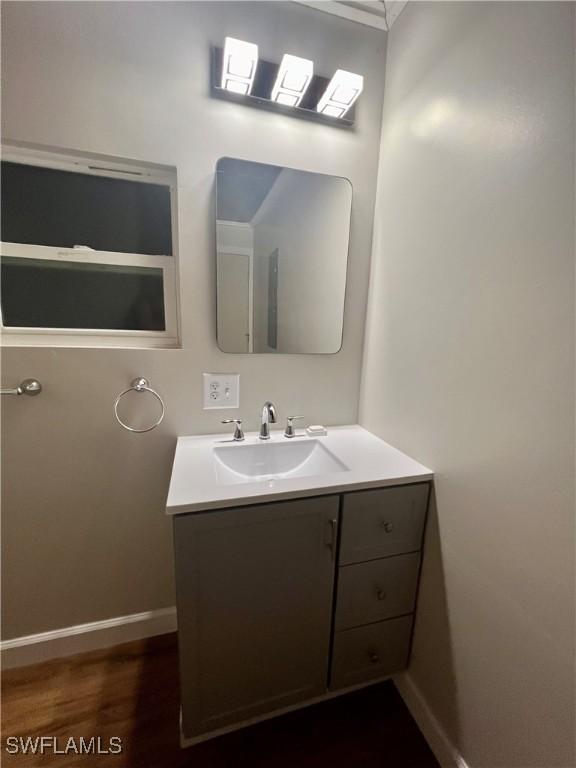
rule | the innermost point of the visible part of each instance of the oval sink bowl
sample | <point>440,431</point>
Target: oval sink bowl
<point>254,462</point>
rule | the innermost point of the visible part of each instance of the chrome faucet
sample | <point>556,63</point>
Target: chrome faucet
<point>268,417</point>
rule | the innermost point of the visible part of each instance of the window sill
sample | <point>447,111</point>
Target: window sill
<point>87,341</point>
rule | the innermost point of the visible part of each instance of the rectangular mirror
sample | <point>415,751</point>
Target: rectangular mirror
<point>282,253</point>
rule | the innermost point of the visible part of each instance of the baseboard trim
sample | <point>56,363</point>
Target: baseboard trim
<point>31,649</point>
<point>438,741</point>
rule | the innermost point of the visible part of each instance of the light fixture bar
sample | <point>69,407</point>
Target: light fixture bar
<point>341,92</point>
<point>239,63</point>
<point>238,74</point>
<point>294,76</point>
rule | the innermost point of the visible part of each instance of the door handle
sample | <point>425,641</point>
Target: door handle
<point>333,537</point>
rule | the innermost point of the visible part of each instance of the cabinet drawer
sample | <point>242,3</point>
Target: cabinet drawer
<point>377,590</point>
<point>388,521</point>
<point>368,653</point>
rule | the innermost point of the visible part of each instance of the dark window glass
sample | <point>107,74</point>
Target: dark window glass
<point>43,206</point>
<point>38,293</point>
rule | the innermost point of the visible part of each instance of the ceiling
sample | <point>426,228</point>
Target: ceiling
<point>241,188</point>
<point>370,13</point>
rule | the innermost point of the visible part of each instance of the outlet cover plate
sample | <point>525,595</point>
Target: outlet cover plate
<point>221,390</point>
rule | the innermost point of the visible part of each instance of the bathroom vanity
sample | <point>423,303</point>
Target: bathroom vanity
<point>297,566</point>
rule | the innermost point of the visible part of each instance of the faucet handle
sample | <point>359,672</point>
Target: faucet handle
<point>290,431</point>
<point>238,433</point>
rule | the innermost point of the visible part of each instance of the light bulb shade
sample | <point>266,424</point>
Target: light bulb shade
<point>239,63</point>
<point>341,92</point>
<point>294,76</point>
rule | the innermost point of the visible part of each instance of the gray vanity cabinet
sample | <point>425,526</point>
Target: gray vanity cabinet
<point>283,603</point>
<point>254,595</point>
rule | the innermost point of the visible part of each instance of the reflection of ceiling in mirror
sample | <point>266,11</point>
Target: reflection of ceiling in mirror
<point>241,188</point>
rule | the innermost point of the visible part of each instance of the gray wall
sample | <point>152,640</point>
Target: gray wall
<point>84,533</point>
<point>469,362</point>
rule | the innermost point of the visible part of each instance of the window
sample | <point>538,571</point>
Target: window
<point>87,252</point>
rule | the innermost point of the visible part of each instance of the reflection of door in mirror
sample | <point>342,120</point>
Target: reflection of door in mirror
<point>233,315</point>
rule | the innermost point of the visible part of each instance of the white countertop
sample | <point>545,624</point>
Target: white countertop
<point>370,462</point>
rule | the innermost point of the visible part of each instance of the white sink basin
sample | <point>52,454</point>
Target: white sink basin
<point>253,462</point>
<point>211,472</point>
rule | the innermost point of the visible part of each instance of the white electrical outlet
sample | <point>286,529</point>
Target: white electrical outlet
<point>221,390</point>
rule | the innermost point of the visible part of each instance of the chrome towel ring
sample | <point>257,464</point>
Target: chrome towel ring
<point>139,385</point>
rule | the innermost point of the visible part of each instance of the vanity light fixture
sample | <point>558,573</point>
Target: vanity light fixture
<point>293,79</point>
<point>239,64</point>
<point>341,93</point>
<point>291,88</point>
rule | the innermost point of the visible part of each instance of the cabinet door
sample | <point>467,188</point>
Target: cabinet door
<point>254,596</point>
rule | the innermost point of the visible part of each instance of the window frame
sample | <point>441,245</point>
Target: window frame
<point>99,337</point>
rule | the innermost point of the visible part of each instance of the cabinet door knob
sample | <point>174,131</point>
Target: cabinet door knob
<point>388,527</point>
<point>380,594</point>
<point>374,658</point>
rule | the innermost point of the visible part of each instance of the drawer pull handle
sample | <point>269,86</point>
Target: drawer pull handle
<point>373,656</point>
<point>380,594</point>
<point>388,527</point>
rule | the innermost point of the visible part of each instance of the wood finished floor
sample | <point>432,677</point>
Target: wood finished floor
<point>131,691</point>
